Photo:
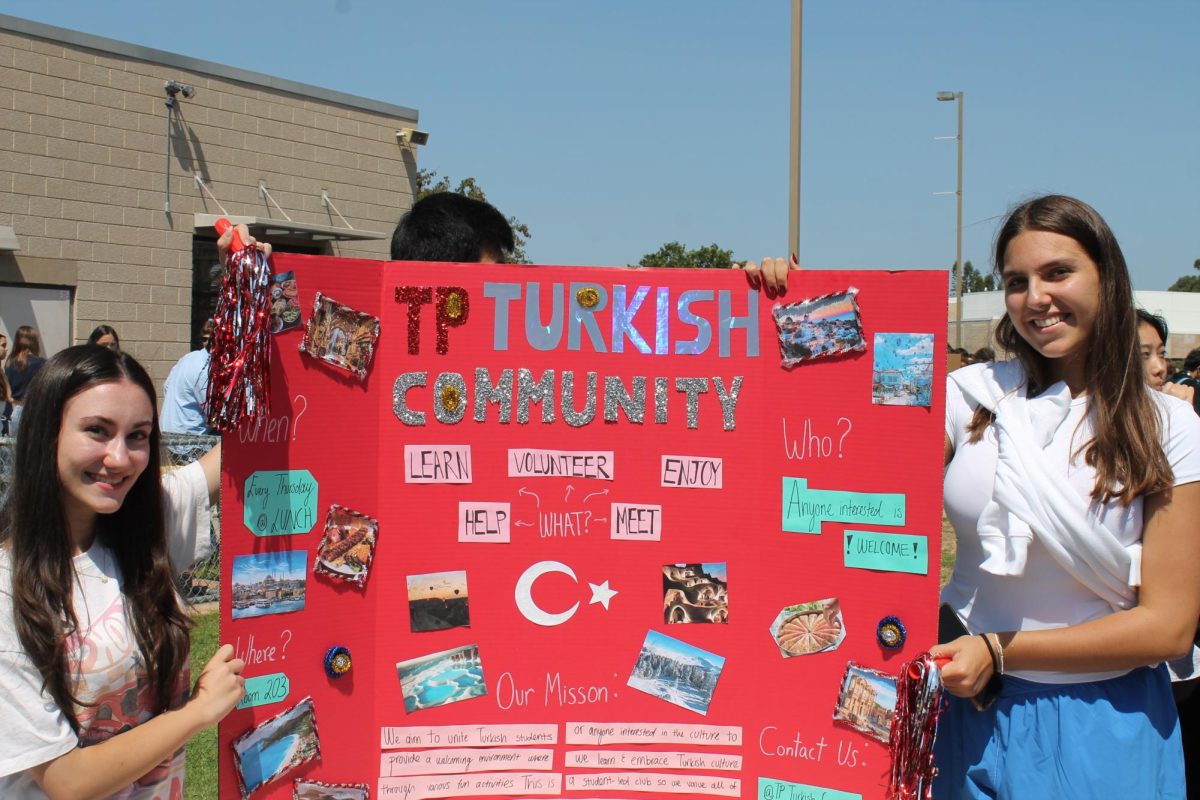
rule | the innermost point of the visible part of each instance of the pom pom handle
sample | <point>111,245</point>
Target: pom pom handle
<point>223,225</point>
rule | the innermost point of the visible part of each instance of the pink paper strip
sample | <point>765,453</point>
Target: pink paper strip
<point>397,764</point>
<point>692,472</point>
<point>635,522</point>
<point>665,782</point>
<point>470,785</point>
<point>651,759</point>
<point>411,736</point>
<point>483,522</point>
<point>652,733</point>
<point>525,463</point>
<point>437,463</point>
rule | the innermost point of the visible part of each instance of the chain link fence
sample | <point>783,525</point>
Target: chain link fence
<point>200,582</point>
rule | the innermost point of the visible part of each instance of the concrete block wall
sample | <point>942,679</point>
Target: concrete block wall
<point>83,153</point>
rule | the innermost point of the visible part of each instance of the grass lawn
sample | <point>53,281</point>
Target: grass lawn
<point>201,783</point>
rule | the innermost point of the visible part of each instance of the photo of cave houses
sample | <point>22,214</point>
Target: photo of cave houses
<point>695,593</point>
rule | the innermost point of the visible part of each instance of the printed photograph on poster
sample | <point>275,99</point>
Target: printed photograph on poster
<point>347,546</point>
<point>315,790</point>
<point>822,326</point>
<point>269,583</point>
<point>439,679</point>
<point>341,336</point>
<point>438,600</point>
<point>285,302</point>
<point>695,593</point>
<point>866,702</point>
<point>903,371</point>
<point>807,628</point>
<point>276,747</point>
<point>677,672</point>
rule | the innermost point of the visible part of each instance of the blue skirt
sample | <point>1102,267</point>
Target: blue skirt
<point>1107,739</point>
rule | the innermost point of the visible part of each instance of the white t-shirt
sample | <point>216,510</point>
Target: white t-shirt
<point>104,658</point>
<point>1045,596</point>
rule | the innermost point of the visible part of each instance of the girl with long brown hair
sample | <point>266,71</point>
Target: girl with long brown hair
<point>94,645</point>
<point>1074,492</point>
<point>24,361</point>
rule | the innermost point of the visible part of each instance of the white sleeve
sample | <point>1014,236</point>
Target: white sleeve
<point>958,413</point>
<point>35,730</point>
<point>1181,439</point>
<point>187,515</point>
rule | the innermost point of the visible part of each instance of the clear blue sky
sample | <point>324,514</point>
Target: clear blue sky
<point>611,127</point>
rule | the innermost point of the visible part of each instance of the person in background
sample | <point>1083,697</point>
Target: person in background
<point>5,393</point>
<point>95,692</point>
<point>1152,344</point>
<point>1190,374</point>
<point>23,363</point>
<point>185,391</point>
<point>983,355</point>
<point>450,227</point>
<point>1185,673</point>
<point>106,336</point>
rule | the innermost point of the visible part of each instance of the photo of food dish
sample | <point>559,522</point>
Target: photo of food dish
<point>285,302</point>
<point>347,546</point>
<point>807,628</point>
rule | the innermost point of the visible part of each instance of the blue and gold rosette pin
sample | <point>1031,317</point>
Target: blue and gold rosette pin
<point>890,633</point>
<point>337,661</point>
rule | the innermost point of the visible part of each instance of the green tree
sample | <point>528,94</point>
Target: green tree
<point>974,280</point>
<point>429,183</point>
<point>675,254</point>
<point>1188,283</point>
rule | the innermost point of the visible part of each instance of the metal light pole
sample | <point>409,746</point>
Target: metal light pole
<point>794,145</point>
<point>958,197</point>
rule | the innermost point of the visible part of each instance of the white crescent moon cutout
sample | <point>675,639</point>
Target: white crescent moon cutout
<point>524,594</point>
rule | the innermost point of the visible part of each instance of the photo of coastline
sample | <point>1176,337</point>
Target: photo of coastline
<point>438,600</point>
<point>822,326</point>
<point>439,679</point>
<point>867,702</point>
<point>276,747</point>
<point>903,371</point>
<point>269,583</point>
<point>348,545</point>
<point>315,790</point>
<point>695,593</point>
<point>677,672</point>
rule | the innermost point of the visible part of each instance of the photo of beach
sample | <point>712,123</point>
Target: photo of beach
<point>867,702</point>
<point>276,747</point>
<point>347,546</point>
<point>439,679</point>
<point>315,790</point>
<point>677,672</point>
<point>695,593</point>
<point>438,600</point>
<point>903,371</point>
<point>269,583</point>
<point>824,326</point>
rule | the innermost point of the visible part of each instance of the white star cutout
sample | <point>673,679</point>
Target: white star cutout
<point>601,594</point>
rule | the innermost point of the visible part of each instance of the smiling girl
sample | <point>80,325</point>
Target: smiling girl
<point>93,639</point>
<point>1074,491</point>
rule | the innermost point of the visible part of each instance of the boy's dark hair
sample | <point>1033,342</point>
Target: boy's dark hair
<point>1192,362</point>
<point>450,227</point>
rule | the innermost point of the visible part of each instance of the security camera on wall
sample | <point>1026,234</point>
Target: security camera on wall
<point>412,136</point>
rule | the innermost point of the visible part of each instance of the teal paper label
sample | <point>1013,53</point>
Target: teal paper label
<point>771,789</point>
<point>805,509</point>
<point>891,552</point>
<point>265,689</point>
<point>279,503</point>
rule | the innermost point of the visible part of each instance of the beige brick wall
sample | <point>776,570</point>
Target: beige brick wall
<point>83,140</point>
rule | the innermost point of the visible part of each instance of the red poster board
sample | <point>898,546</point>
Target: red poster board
<point>576,603</point>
